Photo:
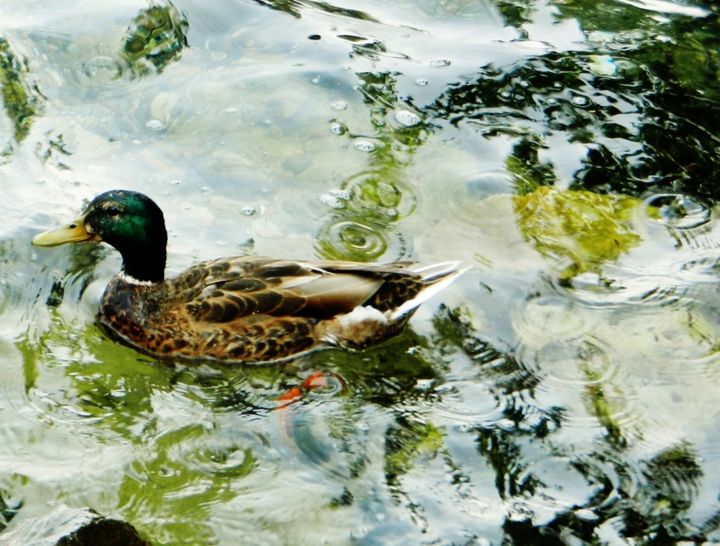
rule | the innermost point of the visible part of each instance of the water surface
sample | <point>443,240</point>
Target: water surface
<point>563,391</point>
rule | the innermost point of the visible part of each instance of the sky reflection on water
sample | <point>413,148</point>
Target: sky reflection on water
<point>562,392</point>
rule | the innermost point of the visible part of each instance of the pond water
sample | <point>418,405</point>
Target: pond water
<point>563,391</point>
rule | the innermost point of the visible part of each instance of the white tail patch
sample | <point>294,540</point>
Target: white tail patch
<point>362,315</point>
<point>366,324</point>
<point>357,326</point>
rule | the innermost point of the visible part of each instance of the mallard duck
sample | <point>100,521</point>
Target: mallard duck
<point>240,309</point>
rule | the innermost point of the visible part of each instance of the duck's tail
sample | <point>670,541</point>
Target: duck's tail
<point>370,323</point>
<point>436,277</point>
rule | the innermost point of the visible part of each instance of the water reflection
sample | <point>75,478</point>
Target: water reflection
<point>155,38</point>
<point>185,472</point>
<point>566,391</point>
<point>102,68</point>
<point>586,228</point>
<point>374,200</point>
<point>21,97</point>
<point>295,8</point>
<point>678,211</point>
<point>354,240</point>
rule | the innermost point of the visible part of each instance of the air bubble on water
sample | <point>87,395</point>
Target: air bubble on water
<point>603,65</point>
<point>407,118</point>
<point>364,145</point>
<point>340,194</point>
<point>331,201</point>
<point>422,82</point>
<point>439,63</point>
<point>623,65</point>
<point>249,210</point>
<point>162,106</point>
<point>339,105</point>
<point>155,125</point>
<point>586,515</point>
<point>579,100</point>
<point>231,110</point>
<point>424,384</point>
<point>505,424</point>
<point>600,36</point>
<point>205,188</point>
<point>338,128</point>
<point>102,68</point>
<point>335,198</point>
<point>315,79</point>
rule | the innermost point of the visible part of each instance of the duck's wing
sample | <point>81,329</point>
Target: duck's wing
<point>230,289</point>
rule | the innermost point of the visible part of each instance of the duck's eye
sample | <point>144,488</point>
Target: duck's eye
<point>112,211</point>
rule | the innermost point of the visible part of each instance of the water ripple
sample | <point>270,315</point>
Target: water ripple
<point>100,76</point>
<point>354,240</point>
<point>677,395</point>
<point>102,68</point>
<point>613,478</point>
<point>568,364</point>
<point>549,317</point>
<point>463,199</point>
<point>619,287</point>
<point>678,211</point>
<point>360,240</point>
<point>468,403</point>
<point>376,194</point>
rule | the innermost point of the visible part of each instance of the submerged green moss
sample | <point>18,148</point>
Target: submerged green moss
<point>187,471</point>
<point>587,228</point>
<point>602,407</point>
<point>20,99</point>
<point>405,444</point>
<point>156,38</point>
<point>528,171</point>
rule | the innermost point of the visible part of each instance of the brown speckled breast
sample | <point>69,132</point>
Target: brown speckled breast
<point>144,317</point>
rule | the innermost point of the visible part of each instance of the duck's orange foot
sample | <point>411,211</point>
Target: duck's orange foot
<point>328,381</point>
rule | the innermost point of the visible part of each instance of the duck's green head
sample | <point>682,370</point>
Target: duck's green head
<point>127,220</point>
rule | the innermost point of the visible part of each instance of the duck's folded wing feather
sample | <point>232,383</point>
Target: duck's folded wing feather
<point>278,288</point>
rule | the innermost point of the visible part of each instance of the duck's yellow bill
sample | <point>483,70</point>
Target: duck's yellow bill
<point>74,232</point>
